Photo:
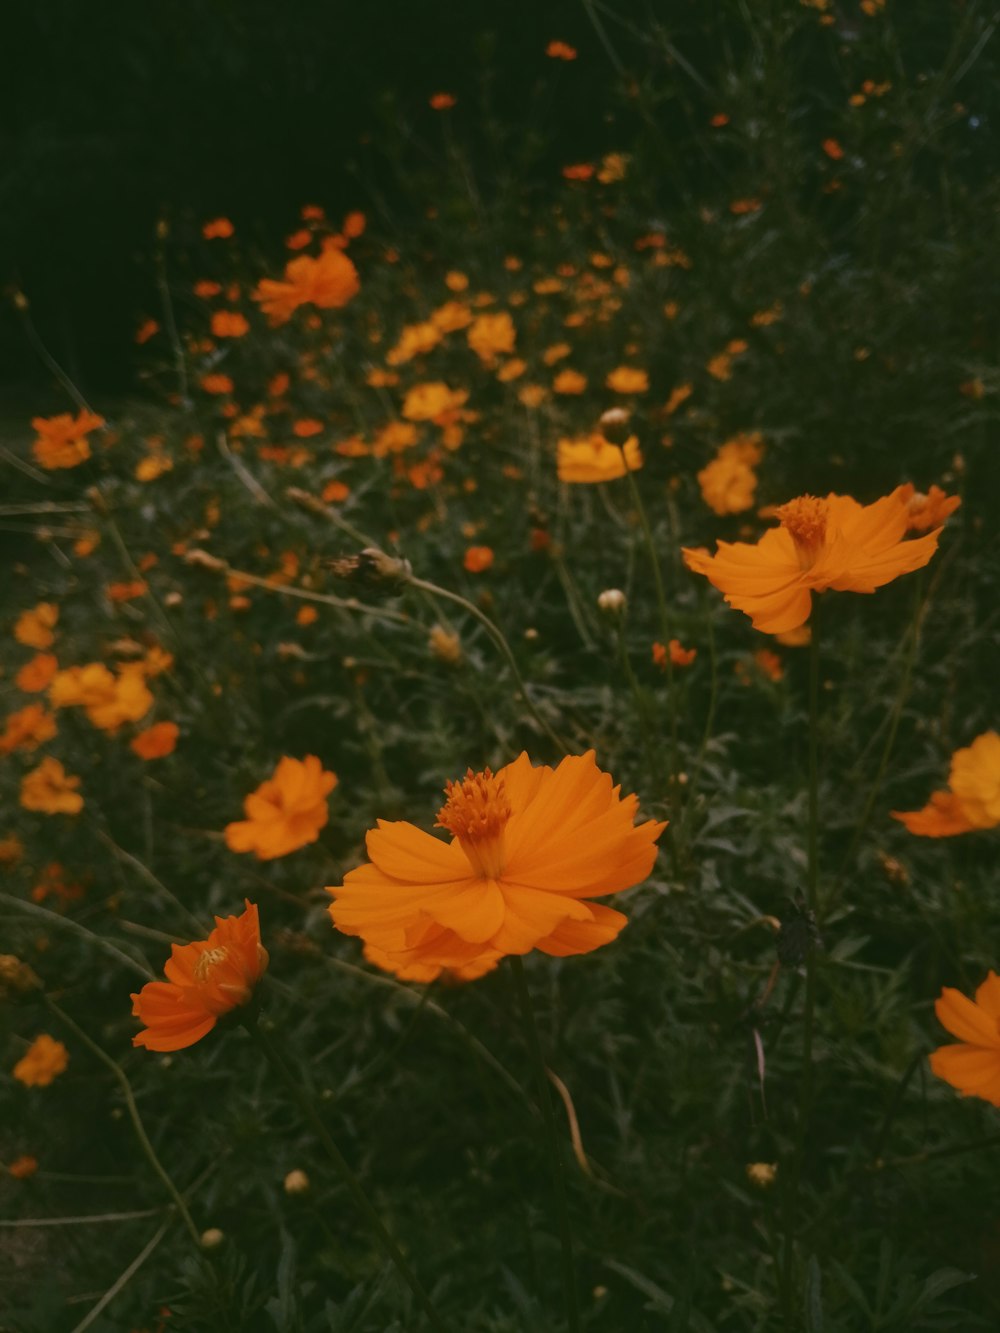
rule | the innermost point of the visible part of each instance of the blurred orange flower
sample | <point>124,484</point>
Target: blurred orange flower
<point>972,1065</point>
<point>478,558</point>
<point>44,1059</point>
<point>679,656</point>
<point>491,336</point>
<point>286,812</point>
<point>569,382</point>
<point>21,1168</point>
<point>931,510</point>
<point>628,379</point>
<point>821,544</point>
<point>156,741</point>
<point>557,50</point>
<point>427,402</point>
<point>229,324</point>
<point>728,482</point>
<point>218,229</point>
<point>36,674</point>
<point>26,729</point>
<point>442,101</point>
<point>593,459</point>
<point>205,980</point>
<point>529,847</point>
<point>217,384</point>
<point>329,281</point>
<point>50,790</point>
<point>972,800</point>
<point>62,441</point>
<point>34,628</point>
<point>108,700</point>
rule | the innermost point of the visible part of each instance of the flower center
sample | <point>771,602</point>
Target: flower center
<point>476,812</point>
<point>805,520</point>
<point>207,961</point>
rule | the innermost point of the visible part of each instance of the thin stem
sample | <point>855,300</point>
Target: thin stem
<point>133,1111</point>
<point>661,601</point>
<point>361,1200</point>
<point>123,1279</point>
<point>497,635</point>
<point>646,722</point>
<point>551,1143</point>
<point>67,923</point>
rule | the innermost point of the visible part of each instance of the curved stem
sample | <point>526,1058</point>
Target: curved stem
<point>497,635</point>
<point>361,1200</point>
<point>551,1144</point>
<point>133,1111</point>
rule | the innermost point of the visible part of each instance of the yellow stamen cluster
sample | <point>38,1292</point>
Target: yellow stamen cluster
<point>209,960</point>
<point>805,520</point>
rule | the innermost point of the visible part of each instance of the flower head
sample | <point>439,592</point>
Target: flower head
<point>530,846</point>
<point>973,1063</point>
<point>285,812</point>
<point>329,281</point>
<point>821,543</point>
<point>50,790</point>
<point>44,1059</point>
<point>592,459</point>
<point>972,800</point>
<point>205,980</point>
<point>34,628</point>
<point>62,441</point>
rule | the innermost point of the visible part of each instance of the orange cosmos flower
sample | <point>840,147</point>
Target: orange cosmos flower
<point>593,459</point>
<point>205,980</point>
<point>229,324</point>
<point>822,543</point>
<point>678,655</point>
<point>217,384</point>
<point>286,812</point>
<point>931,510</point>
<point>62,440</point>
<point>428,402</point>
<point>156,741</point>
<point>557,50</point>
<point>218,229</point>
<point>44,1059</point>
<point>478,558</point>
<point>109,700</point>
<point>23,1167</point>
<point>973,798</point>
<point>529,847</point>
<point>627,379</point>
<point>26,729</point>
<point>490,336</point>
<point>35,675</point>
<point>34,628</point>
<point>972,1064</point>
<point>569,382</point>
<point>50,790</point>
<point>442,101</point>
<point>329,282</point>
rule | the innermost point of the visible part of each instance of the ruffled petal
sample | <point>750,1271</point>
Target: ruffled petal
<point>573,937</point>
<point>965,1020</point>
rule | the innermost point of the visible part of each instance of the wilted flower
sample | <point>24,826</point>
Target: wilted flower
<point>822,543</point>
<point>529,847</point>
<point>972,800</point>
<point>286,812</point>
<point>205,980</point>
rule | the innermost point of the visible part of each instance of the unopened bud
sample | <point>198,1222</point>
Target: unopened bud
<point>20,301</point>
<point>612,601</point>
<point>296,1182</point>
<point>212,1238</point>
<point>445,645</point>
<point>614,424</point>
<point>762,1174</point>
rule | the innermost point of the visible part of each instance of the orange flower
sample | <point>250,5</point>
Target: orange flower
<point>156,741</point>
<point>26,729</point>
<point>34,628</point>
<point>491,336</point>
<point>931,510</point>
<point>205,980</point>
<point>62,440</point>
<point>285,812</point>
<point>822,543</point>
<point>973,798</point>
<point>557,50</point>
<point>478,558</point>
<point>972,1064</point>
<point>328,282</point>
<point>579,171</point>
<point>428,402</point>
<point>529,847</point>
<point>35,675</point>
<point>146,330</point>
<point>593,459</point>
<point>229,324</point>
<point>217,384</point>
<point>44,1059</point>
<point>109,700</point>
<point>21,1168</point>
<point>678,654</point>
<point>628,379</point>
<point>50,789</point>
<point>569,382</point>
<point>218,229</point>
<point>442,101</point>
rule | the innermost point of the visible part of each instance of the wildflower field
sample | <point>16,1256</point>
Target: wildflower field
<point>499,756</point>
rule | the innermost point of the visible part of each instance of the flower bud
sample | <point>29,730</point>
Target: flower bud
<point>614,424</point>
<point>212,1238</point>
<point>445,645</point>
<point>762,1174</point>
<point>296,1182</point>
<point>612,601</point>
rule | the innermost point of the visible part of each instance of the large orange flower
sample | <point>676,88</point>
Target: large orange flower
<point>329,281</point>
<point>972,800</point>
<point>529,847</point>
<point>285,812</point>
<point>205,980</point>
<point>972,1064</point>
<point>822,543</point>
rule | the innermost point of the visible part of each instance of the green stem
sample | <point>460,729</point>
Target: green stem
<point>551,1144</point>
<point>133,1111</point>
<point>646,722</point>
<point>361,1200</point>
<point>497,635</point>
<point>665,630</point>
